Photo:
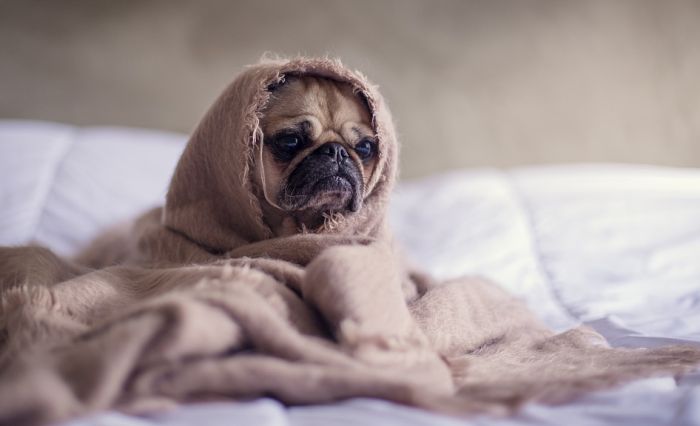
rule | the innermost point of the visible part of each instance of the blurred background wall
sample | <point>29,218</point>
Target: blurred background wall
<point>471,83</point>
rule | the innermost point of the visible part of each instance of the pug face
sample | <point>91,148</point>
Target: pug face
<point>319,150</point>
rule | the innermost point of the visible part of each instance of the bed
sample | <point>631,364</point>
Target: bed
<point>613,246</point>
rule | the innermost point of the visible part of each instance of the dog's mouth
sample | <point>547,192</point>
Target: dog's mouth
<point>335,183</point>
<point>322,189</point>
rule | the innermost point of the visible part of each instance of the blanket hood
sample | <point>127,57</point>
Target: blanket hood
<point>213,198</point>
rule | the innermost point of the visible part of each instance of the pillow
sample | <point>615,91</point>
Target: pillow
<point>62,184</point>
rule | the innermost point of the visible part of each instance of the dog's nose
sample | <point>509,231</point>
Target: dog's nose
<point>333,150</point>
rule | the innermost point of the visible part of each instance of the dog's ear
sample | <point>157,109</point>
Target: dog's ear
<point>283,80</point>
<point>276,85</point>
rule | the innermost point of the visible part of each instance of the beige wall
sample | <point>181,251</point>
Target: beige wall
<point>471,83</point>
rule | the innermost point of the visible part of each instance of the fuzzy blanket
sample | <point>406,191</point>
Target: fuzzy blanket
<point>200,300</point>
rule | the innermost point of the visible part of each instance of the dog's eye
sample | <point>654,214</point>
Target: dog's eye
<point>286,146</point>
<point>365,149</point>
<point>288,143</point>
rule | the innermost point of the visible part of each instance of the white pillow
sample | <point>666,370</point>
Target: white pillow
<point>61,184</point>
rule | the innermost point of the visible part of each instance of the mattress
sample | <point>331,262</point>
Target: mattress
<point>613,246</point>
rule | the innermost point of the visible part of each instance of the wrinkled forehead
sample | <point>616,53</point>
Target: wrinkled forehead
<point>329,101</point>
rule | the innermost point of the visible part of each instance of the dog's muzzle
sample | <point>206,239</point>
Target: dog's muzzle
<point>327,170</point>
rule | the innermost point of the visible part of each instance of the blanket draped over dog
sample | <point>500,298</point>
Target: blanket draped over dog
<point>200,300</point>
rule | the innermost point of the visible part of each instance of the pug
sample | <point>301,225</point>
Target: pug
<point>318,153</point>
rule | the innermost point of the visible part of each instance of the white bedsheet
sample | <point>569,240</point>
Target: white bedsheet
<point>613,246</point>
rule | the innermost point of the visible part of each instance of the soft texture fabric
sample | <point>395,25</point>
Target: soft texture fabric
<point>188,314</point>
<point>627,270</point>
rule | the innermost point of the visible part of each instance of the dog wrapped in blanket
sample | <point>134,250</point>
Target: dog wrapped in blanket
<point>271,271</point>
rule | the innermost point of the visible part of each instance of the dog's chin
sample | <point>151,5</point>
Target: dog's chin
<point>333,193</point>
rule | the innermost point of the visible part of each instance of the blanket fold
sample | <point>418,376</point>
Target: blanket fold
<point>200,300</point>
